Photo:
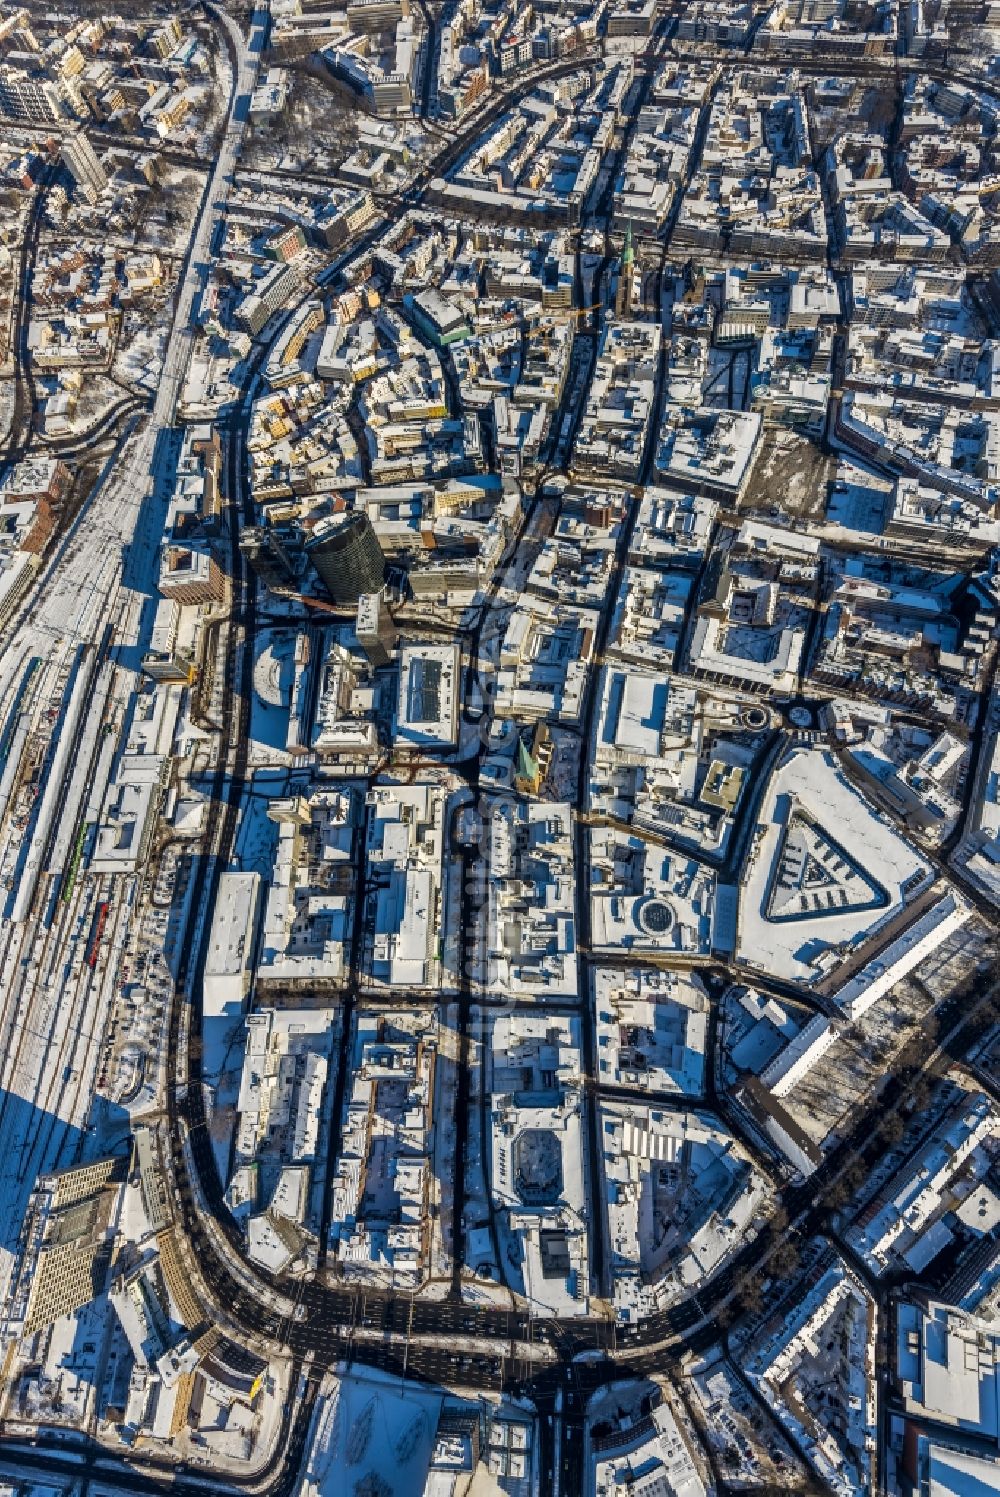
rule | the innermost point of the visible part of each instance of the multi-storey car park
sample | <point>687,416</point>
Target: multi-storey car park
<point>498,741</point>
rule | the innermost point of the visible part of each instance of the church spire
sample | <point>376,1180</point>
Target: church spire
<point>623,296</point>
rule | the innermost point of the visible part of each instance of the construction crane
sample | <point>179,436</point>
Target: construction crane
<point>321,603</point>
<point>507,319</point>
<point>559,314</point>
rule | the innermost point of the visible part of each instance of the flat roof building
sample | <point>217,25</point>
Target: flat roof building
<point>405,870</point>
<point>230,949</point>
<point>66,1243</point>
<point>427,703</point>
<point>375,629</point>
<point>438,318</point>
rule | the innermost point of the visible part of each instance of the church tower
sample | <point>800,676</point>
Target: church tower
<point>626,276</point>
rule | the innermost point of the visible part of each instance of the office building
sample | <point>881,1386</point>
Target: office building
<point>66,1244</point>
<point>427,705</point>
<point>375,629</point>
<point>191,576</point>
<point>345,552</point>
<point>162,661</point>
<point>265,551</point>
<point>228,964</point>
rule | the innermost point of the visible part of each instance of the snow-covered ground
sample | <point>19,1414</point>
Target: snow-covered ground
<point>379,1429</point>
<point>54,1004</point>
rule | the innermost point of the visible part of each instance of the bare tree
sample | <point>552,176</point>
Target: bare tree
<point>785,1261</point>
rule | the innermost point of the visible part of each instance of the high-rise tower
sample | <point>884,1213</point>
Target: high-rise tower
<point>375,629</point>
<point>345,552</point>
<point>84,166</point>
<point>265,551</point>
